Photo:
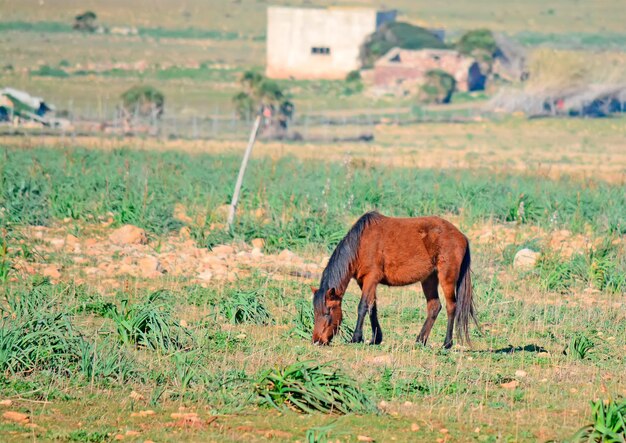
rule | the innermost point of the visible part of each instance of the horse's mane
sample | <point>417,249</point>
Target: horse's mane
<point>337,273</point>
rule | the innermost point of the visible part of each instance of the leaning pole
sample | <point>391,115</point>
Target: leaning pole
<point>242,171</point>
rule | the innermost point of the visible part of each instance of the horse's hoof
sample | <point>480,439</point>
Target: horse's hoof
<point>376,340</point>
<point>356,340</point>
<point>447,345</point>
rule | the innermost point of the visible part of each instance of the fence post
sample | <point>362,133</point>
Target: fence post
<point>242,171</point>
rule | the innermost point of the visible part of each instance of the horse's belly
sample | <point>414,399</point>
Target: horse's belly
<point>406,273</point>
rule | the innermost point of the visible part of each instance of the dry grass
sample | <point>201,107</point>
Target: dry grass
<point>552,70</point>
<point>248,16</point>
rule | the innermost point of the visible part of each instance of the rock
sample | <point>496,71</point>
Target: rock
<point>364,438</point>
<point>56,243</point>
<point>510,385</point>
<point>258,243</point>
<point>119,437</point>
<point>206,275</point>
<point>181,215</point>
<point>136,396</point>
<point>145,413</point>
<point>256,253</point>
<point>415,427</point>
<point>184,233</point>
<point>71,241</point>
<point>52,271</point>
<point>525,259</point>
<point>6,402</point>
<point>129,235</point>
<point>520,373</point>
<point>16,417</point>
<point>130,433</point>
<point>150,266</point>
<point>287,256</point>
<point>223,250</point>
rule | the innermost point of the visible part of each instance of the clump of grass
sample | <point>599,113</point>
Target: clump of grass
<point>149,324</point>
<point>579,347</point>
<point>245,307</point>
<point>602,268</point>
<point>608,423</point>
<point>311,387</point>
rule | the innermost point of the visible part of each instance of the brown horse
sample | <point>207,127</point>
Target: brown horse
<point>397,252</point>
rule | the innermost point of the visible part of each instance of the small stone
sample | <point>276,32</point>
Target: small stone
<point>129,235</point>
<point>16,417</point>
<point>136,396</point>
<point>525,259</point>
<point>287,256</point>
<point>132,433</point>
<point>52,271</point>
<point>206,275</point>
<point>443,430</point>
<point>415,427</point>
<point>364,438</point>
<point>510,385</point>
<point>71,240</point>
<point>150,266</point>
<point>258,243</point>
<point>6,402</point>
<point>184,233</point>
<point>119,437</point>
<point>223,250</point>
<point>520,373</point>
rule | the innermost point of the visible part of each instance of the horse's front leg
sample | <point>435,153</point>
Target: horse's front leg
<point>377,332</point>
<point>368,298</point>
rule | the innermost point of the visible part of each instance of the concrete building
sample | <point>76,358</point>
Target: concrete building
<point>308,43</point>
<point>404,70</point>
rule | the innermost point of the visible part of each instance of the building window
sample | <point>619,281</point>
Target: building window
<point>320,50</point>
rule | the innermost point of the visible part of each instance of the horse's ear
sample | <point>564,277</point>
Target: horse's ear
<point>313,289</point>
<point>331,295</point>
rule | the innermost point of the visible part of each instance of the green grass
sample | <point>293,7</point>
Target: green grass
<point>42,185</point>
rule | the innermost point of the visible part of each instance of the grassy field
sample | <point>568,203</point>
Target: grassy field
<point>191,332</point>
<point>92,355</point>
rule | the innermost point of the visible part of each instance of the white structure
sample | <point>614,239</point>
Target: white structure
<point>307,43</point>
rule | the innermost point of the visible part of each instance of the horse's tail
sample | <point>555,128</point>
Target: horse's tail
<point>464,299</point>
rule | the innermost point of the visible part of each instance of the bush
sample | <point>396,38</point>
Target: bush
<point>145,100</point>
<point>310,387</point>
<point>397,34</point>
<point>438,87</point>
<point>477,41</point>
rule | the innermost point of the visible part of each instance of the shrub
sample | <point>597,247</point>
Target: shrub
<point>144,100</point>
<point>438,87</point>
<point>397,34</point>
<point>310,387</point>
<point>49,71</point>
<point>478,41</point>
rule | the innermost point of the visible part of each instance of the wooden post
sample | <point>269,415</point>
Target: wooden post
<point>242,171</point>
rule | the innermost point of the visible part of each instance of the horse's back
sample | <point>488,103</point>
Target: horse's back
<point>407,250</point>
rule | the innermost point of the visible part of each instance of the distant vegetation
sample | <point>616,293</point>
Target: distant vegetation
<point>144,100</point>
<point>397,34</point>
<point>438,87</point>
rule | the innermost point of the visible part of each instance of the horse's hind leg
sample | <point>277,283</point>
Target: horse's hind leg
<point>448,279</point>
<point>433,306</point>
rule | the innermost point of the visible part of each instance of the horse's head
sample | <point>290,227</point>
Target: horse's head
<point>327,309</point>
